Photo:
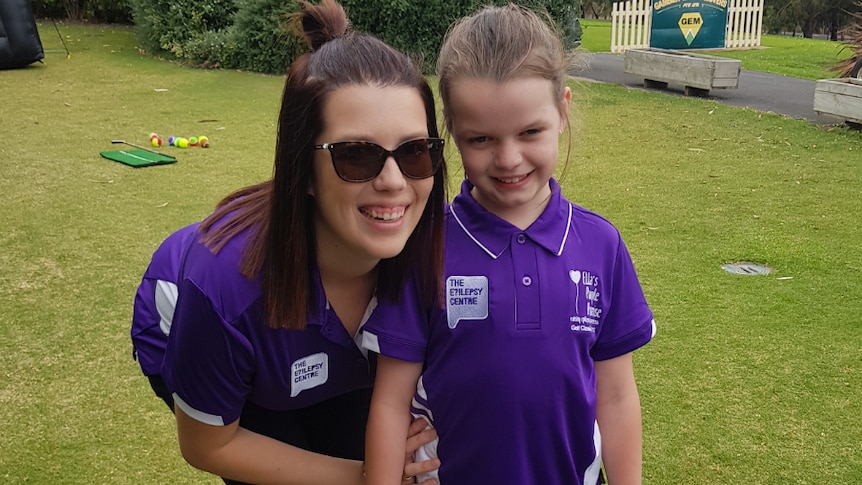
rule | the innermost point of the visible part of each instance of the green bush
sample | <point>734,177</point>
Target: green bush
<point>104,11</point>
<point>177,26</point>
<point>251,34</point>
<point>418,26</point>
<point>413,26</point>
<point>212,49</point>
<point>262,41</point>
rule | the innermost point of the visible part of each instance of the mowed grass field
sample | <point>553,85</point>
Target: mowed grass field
<point>750,379</point>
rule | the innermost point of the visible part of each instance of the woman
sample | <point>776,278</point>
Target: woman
<point>262,358</point>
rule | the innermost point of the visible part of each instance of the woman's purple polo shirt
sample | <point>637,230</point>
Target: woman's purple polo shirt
<point>221,353</point>
<point>156,298</point>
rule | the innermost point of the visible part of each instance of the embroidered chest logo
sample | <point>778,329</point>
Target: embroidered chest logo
<point>587,297</point>
<point>307,372</point>
<point>466,298</point>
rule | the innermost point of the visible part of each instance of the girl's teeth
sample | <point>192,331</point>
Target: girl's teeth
<point>511,180</point>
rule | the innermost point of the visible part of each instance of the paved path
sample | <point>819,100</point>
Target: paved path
<point>758,90</point>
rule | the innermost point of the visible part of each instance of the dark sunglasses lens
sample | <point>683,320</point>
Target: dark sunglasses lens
<point>418,159</point>
<point>357,161</point>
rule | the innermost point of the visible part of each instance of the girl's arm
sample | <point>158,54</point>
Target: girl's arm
<point>239,454</point>
<point>618,411</point>
<point>389,420</point>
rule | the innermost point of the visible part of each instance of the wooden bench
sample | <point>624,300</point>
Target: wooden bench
<point>697,73</point>
<point>841,98</point>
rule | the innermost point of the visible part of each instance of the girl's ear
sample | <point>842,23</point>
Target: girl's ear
<point>565,107</point>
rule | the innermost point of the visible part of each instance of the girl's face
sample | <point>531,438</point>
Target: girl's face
<point>508,136</point>
<point>361,223</point>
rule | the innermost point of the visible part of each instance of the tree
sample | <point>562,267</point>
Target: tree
<point>809,16</point>
<point>852,66</point>
<point>598,9</point>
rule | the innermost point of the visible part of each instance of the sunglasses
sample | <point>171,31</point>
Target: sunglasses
<point>361,161</point>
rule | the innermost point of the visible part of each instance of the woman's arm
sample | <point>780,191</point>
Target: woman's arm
<point>239,454</point>
<point>389,420</point>
<point>618,411</point>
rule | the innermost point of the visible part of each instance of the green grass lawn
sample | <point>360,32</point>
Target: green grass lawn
<point>751,379</point>
<point>792,56</point>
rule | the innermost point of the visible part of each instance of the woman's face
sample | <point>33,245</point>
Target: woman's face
<point>367,221</point>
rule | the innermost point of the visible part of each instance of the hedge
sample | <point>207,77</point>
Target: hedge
<point>251,34</point>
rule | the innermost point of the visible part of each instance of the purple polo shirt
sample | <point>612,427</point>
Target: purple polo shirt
<point>509,382</point>
<point>156,298</point>
<point>221,353</point>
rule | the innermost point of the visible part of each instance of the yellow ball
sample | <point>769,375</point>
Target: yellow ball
<point>204,142</point>
<point>156,141</point>
<point>183,143</point>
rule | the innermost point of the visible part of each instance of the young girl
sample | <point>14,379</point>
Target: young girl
<point>526,374</point>
<point>269,383</point>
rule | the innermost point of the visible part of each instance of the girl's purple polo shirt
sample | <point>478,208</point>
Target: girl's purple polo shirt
<point>509,382</point>
<point>221,353</point>
<point>155,299</point>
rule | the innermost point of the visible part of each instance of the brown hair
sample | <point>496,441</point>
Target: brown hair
<point>281,248</point>
<point>500,44</point>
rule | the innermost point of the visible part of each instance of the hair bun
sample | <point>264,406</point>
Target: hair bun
<point>321,23</point>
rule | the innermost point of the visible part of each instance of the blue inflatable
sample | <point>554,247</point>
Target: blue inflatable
<point>20,44</point>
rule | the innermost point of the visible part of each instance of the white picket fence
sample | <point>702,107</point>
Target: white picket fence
<point>631,22</point>
<point>744,23</point>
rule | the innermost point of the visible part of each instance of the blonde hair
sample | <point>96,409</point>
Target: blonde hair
<point>500,44</point>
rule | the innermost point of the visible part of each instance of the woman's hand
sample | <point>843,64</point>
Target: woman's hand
<point>419,433</point>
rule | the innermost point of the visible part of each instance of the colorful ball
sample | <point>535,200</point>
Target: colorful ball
<point>204,142</point>
<point>156,141</point>
<point>172,140</point>
<point>193,141</point>
<point>182,143</point>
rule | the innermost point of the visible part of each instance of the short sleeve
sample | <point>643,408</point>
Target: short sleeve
<point>148,343</point>
<point>398,330</point>
<point>629,323</point>
<point>209,364</point>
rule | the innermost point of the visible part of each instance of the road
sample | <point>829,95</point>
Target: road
<point>758,90</point>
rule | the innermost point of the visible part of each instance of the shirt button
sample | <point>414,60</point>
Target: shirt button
<point>527,281</point>
<point>521,239</point>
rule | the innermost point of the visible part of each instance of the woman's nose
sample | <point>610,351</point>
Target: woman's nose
<point>390,177</point>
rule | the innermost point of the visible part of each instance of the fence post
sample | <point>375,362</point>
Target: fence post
<point>759,27</point>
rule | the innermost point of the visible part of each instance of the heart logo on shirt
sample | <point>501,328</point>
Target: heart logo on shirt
<point>575,275</point>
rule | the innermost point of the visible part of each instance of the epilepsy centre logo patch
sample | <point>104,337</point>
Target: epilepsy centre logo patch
<point>466,298</point>
<point>307,372</point>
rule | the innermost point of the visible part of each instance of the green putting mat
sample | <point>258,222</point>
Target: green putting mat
<point>138,158</point>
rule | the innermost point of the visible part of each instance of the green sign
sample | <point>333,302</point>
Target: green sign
<point>687,24</point>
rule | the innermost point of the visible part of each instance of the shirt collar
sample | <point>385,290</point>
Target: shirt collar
<point>323,307</point>
<point>493,234</point>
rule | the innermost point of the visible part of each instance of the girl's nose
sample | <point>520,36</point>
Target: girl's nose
<point>507,155</point>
